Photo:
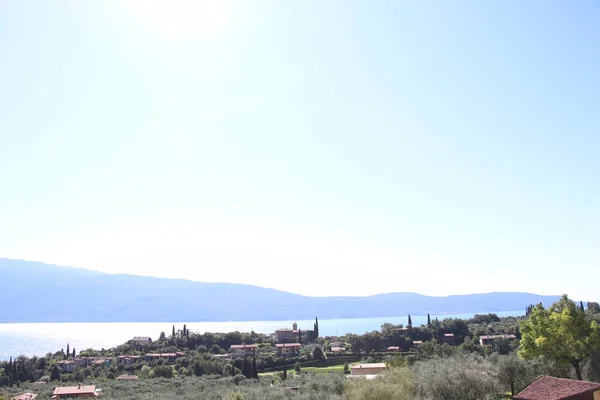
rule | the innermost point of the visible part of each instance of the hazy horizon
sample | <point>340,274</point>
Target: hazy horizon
<point>320,148</point>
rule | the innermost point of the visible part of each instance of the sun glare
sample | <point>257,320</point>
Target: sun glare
<point>184,19</point>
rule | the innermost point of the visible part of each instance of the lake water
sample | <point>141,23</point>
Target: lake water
<point>40,338</point>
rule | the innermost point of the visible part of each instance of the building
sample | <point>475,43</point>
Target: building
<point>337,349</point>
<point>75,392</point>
<point>142,339</point>
<point>393,348</point>
<point>368,369</point>
<point>287,335</point>
<point>288,349</point>
<point>488,340</point>
<point>417,343</point>
<point>241,350</point>
<point>127,377</point>
<point>549,388</point>
<point>66,365</point>
<point>448,338</point>
<point>127,360</point>
<point>170,357</point>
<point>25,396</point>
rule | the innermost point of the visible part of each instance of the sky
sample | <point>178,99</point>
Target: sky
<point>318,147</point>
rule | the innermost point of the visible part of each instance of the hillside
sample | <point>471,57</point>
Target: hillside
<point>37,292</point>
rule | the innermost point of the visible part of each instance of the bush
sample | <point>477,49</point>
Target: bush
<point>462,377</point>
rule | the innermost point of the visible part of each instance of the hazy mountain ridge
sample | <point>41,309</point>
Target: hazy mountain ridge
<point>37,292</point>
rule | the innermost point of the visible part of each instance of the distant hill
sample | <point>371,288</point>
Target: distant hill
<point>37,292</point>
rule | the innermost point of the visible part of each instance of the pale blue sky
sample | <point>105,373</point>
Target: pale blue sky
<point>319,147</point>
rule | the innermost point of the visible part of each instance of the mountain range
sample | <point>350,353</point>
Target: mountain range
<point>37,292</point>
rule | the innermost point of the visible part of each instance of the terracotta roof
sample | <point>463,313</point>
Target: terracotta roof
<point>372,365</point>
<point>25,396</point>
<point>497,337</point>
<point>75,390</point>
<point>243,346</point>
<point>338,348</point>
<point>288,345</point>
<point>550,388</point>
<point>126,377</point>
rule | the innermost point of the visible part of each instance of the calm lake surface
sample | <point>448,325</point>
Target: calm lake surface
<point>40,338</point>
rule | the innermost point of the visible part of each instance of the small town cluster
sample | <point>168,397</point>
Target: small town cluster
<point>492,356</point>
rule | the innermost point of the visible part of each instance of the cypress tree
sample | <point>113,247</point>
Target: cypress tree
<point>317,327</point>
<point>428,319</point>
<point>254,369</point>
<point>74,352</point>
<point>299,336</point>
<point>409,321</point>
<point>173,334</point>
<point>581,306</point>
<point>284,371</point>
<point>55,374</point>
<point>247,368</point>
<point>68,352</point>
<point>185,331</point>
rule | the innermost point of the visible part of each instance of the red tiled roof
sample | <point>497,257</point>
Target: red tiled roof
<point>497,337</point>
<point>25,396</point>
<point>550,388</point>
<point>244,346</point>
<point>74,390</point>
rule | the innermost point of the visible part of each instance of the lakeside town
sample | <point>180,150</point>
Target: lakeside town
<point>292,357</point>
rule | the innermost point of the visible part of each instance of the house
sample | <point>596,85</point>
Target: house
<point>170,357</point>
<point>368,369</point>
<point>25,396</point>
<point>104,362</point>
<point>240,350</point>
<point>126,377</point>
<point>337,349</point>
<point>128,360</point>
<point>288,349</point>
<point>74,392</point>
<point>417,343</point>
<point>550,388</point>
<point>66,365</point>
<point>336,344</point>
<point>393,348</point>
<point>448,338</point>
<point>488,340</point>
<point>142,339</point>
<point>287,335</point>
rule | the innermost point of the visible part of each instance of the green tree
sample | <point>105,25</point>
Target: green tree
<point>593,307</point>
<point>55,374</point>
<point>318,353</point>
<point>346,368</point>
<point>68,352</point>
<point>173,333</point>
<point>512,371</point>
<point>563,333</point>
<point>162,337</point>
<point>428,319</point>
<point>297,367</point>
<point>247,368</point>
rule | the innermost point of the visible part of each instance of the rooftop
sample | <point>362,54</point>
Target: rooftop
<point>497,337</point>
<point>81,389</point>
<point>243,346</point>
<point>550,388</point>
<point>288,345</point>
<point>25,396</point>
<point>371,365</point>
